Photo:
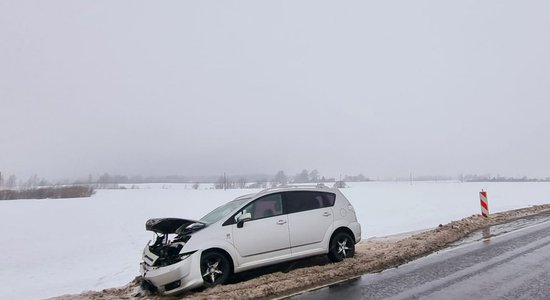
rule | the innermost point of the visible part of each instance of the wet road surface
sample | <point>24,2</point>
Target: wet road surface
<point>510,261</point>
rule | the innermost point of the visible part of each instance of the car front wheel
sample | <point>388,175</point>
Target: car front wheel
<point>215,268</point>
<point>341,246</point>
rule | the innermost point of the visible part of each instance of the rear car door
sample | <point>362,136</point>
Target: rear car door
<point>310,217</point>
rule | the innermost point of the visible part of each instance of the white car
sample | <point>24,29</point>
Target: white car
<point>272,226</point>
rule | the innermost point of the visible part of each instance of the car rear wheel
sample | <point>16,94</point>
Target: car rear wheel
<point>215,268</point>
<point>341,247</point>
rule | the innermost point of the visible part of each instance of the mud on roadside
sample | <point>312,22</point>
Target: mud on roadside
<point>372,255</point>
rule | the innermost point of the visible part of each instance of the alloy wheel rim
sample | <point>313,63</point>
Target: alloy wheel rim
<point>212,271</point>
<point>343,248</point>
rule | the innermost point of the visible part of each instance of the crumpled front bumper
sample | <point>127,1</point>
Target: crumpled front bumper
<point>175,278</point>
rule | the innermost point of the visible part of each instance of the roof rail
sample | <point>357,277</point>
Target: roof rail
<point>319,185</point>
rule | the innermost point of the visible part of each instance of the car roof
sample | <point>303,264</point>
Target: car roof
<point>245,196</point>
<point>286,188</point>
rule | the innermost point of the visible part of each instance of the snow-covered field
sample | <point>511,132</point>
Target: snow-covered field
<point>53,247</point>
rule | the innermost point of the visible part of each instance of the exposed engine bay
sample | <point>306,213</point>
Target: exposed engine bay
<point>169,237</point>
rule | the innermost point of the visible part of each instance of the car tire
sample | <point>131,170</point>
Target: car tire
<point>341,246</point>
<point>215,268</point>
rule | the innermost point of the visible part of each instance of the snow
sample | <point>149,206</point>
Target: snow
<point>58,246</point>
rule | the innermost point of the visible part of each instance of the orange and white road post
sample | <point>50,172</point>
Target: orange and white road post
<point>484,204</point>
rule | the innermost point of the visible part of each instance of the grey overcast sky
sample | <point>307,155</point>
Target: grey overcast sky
<point>382,88</point>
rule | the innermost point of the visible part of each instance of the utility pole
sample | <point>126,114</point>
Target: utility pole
<point>224,182</point>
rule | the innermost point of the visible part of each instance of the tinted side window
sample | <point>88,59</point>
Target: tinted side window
<point>328,199</point>
<point>305,200</point>
<point>265,207</point>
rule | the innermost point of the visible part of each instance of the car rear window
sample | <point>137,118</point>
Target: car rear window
<point>307,200</point>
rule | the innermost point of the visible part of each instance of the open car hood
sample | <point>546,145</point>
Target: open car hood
<point>170,225</point>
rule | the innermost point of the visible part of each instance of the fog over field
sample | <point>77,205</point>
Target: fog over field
<point>374,87</point>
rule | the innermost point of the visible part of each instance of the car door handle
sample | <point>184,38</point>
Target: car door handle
<point>326,214</point>
<point>281,222</point>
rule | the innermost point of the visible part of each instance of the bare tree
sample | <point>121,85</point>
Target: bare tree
<point>32,181</point>
<point>339,184</point>
<point>279,179</point>
<point>314,176</point>
<point>241,183</point>
<point>11,182</point>
<point>220,184</point>
<point>302,177</point>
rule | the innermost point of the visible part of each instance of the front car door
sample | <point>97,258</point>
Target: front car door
<point>264,238</point>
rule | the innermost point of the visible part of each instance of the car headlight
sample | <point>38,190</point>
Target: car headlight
<point>186,254</point>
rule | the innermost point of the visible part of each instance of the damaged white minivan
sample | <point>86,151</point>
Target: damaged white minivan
<point>272,226</point>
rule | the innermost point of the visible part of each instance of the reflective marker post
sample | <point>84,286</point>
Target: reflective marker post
<point>484,204</point>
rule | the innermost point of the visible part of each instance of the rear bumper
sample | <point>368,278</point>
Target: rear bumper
<point>175,278</point>
<point>356,228</point>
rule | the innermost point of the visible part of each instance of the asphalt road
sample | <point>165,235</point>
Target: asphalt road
<point>512,265</point>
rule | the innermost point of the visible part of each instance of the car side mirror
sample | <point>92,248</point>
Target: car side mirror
<point>243,218</point>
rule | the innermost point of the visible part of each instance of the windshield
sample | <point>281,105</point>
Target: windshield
<point>222,211</point>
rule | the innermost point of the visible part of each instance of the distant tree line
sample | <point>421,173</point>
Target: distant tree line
<point>11,182</point>
<point>108,181</point>
<point>432,178</point>
<point>39,188</point>
<point>498,178</point>
<point>280,178</point>
<point>54,192</point>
